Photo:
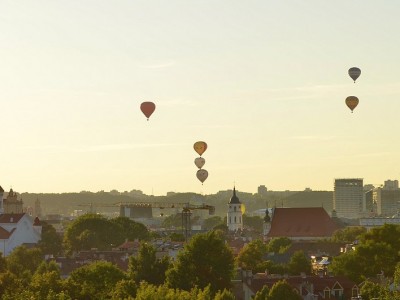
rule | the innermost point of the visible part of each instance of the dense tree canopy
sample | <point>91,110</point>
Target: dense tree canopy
<point>210,223</point>
<point>205,260</point>
<point>95,231</point>
<point>299,263</point>
<point>94,281</point>
<point>348,234</point>
<point>279,245</point>
<point>253,223</point>
<point>251,256</point>
<point>146,267</point>
<point>283,290</point>
<point>378,251</point>
<point>51,241</point>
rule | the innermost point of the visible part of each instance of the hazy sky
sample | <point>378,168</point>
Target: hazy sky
<point>262,82</point>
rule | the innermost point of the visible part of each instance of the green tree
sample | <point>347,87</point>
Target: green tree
<point>130,229</point>
<point>163,292</point>
<point>51,241</point>
<point>299,263</point>
<point>94,281</point>
<point>10,285</point>
<point>173,221</point>
<point>279,245</point>
<point>251,256</point>
<point>46,281</point>
<point>23,262</point>
<point>124,289</point>
<point>3,263</point>
<point>176,237</point>
<point>262,294</point>
<point>92,231</point>
<point>224,295</point>
<point>205,260</point>
<point>371,290</point>
<point>282,290</point>
<point>348,234</point>
<point>378,250</point>
<point>211,222</point>
<point>255,223</point>
<point>347,264</point>
<point>146,267</point>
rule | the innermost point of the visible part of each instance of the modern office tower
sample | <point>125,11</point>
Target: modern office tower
<point>391,185</point>
<point>348,197</point>
<point>387,201</point>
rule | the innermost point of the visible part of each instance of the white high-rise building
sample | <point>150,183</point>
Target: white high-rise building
<point>348,198</point>
<point>234,218</point>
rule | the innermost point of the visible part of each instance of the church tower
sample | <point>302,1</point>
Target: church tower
<point>267,223</point>
<point>234,216</point>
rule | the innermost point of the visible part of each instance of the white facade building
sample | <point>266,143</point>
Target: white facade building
<point>17,229</point>
<point>348,198</point>
<point>234,216</point>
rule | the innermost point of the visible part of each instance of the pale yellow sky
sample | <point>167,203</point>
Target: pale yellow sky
<point>262,82</point>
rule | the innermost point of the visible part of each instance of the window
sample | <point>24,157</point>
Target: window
<point>327,294</point>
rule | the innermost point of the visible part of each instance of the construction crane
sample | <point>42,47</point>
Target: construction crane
<point>186,213</point>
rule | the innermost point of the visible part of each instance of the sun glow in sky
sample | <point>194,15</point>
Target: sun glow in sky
<point>262,82</point>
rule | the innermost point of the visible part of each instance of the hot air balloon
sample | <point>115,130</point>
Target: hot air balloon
<point>202,175</point>
<point>354,73</point>
<point>242,208</point>
<point>200,147</point>
<point>147,109</point>
<point>352,102</point>
<point>199,162</point>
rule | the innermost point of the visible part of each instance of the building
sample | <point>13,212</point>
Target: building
<point>391,185</point>
<point>387,201</point>
<point>11,205</point>
<point>262,190</point>
<point>234,216</point>
<point>16,229</point>
<point>348,198</point>
<point>306,223</point>
<point>372,222</point>
<point>308,287</point>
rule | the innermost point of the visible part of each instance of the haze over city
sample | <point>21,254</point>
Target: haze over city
<point>264,83</point>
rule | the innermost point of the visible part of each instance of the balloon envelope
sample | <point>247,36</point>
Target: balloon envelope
<point>354,73</point>
<point>199,162</point>
<point>147,108</point>
<point>202,175</point>
<point>352,102</point>
<point>200,147</point>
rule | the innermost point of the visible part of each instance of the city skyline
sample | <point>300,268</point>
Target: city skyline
<point>263,83</point>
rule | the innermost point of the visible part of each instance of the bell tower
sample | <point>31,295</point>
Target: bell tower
<point>234,216</point>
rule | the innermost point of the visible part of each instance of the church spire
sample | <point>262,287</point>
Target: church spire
<point>234,198</point>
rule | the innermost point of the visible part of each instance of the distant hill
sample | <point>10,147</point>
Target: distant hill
<point>66,203</point>
<point>310,199</point>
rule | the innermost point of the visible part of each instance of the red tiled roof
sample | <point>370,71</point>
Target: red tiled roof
<point>4,234</point>
<point>301,222</point>
<point>10,218</point>
<point>319,283</point>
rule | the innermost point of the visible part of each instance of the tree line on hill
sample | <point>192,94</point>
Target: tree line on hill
<point>65,203</point>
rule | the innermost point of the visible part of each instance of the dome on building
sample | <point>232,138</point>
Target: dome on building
<point>234,198</point>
